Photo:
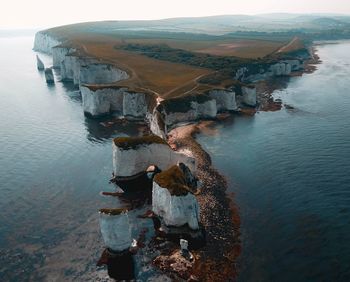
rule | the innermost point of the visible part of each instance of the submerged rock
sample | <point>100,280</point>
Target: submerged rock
<point>49,75</point>
<point>173,201</point>
<point>39,63</point>
<point>115,229</point>
<point>133,155</point>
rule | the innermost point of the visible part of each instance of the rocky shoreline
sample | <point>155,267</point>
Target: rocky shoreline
<point>217,259</point>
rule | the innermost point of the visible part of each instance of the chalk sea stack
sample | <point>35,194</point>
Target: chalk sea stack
<point>115,229</point>
<point>173,199</point>
<point>39,63</point>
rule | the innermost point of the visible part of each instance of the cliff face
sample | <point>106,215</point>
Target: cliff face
<point>115,230</point>
<point>44,42</point>
<point>69,68</point>
<point>108,100</point>
<point>131,161</point>
<point>187,108</point>
<point>99,73</point>
<point>225,100</point>
<point>156,124</point>
<point>102,101</point>
<point>175,210</point>
<point>58,55</point>
<point>281,68</point>
<point>134,105</point>
<point>249,95</point>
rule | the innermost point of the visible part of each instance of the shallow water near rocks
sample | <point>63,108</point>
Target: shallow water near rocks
<point>53,164</point>
<point>290,175</point>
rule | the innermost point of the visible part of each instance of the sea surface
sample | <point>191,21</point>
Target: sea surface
<point>289,173</point>
<point>54,162</point>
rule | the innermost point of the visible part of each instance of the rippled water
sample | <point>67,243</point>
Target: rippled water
<point>53,164</point>
<point>290,174</point>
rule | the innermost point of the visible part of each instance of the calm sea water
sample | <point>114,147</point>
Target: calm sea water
<point>53,164</point>
<point>290,175</point>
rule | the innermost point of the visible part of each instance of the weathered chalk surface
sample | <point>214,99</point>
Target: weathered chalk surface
<point>132,155</point>
<point>173,200</point>
<point>115,230</point>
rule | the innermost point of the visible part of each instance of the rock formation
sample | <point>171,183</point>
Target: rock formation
<point>115,229</point>
<point>279,68</point>
<point>134,105</point>
<point>156,124</point>
<point>58,55</point>
<point>44,42</point>
<point>225,99</point>
<point>133,155</point>
<point>249,95</point>
<point>173,201</point>
<point>39,63</point>
<point>188,108</point>
<point>49,75</point>
<point>101,100</point>
<point>100,73</point>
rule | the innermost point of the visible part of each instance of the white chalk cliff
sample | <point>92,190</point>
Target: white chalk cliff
<point>187,108</point>
<point>102,100</point>
<point>58,55</point>
<point>225,99</point>
<point>281,68</point>
<point>173,201</point>
<point>115,230</point>
<point>249,95</point>
<point>44,42</point>
<point>156,124</point>
<point>132,155</point>
<point>100,73</point>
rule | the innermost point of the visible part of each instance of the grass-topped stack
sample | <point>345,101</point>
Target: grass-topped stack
<point>173,199</point>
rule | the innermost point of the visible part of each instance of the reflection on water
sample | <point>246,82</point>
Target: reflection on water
<point>53,164</point>
<point>289,171</point>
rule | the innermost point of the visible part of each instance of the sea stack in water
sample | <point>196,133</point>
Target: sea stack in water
<point>49,75</point>
<point>115,229</point>
<point>173,199</point>
<point>133,155</point>
<point>39,63</point>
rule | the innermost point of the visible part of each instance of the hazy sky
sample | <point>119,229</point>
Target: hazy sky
<point>47,13</point>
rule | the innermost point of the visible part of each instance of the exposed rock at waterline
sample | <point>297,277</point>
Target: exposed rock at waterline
<point>39,63</point>
<point>49,75</point>
<point>58,55</point>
